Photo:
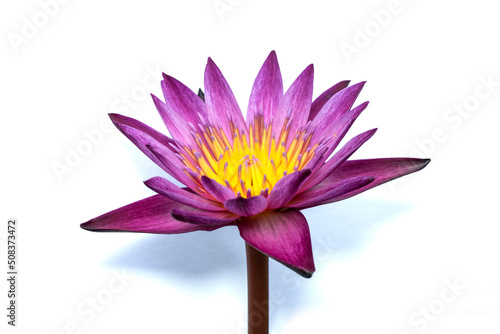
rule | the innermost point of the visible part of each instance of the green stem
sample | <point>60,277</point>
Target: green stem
<point>258,291</point>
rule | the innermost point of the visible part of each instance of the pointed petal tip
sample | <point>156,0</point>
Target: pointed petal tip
<point>86,225</point>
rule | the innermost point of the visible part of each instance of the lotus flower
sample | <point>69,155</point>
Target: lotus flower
<point>255,174</point>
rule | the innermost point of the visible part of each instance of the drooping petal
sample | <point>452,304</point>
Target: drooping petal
<point>320,101</point>
<point>295,105</point>
<point>222,108</point>
<point>246,206</point>
<point>321,195</point>
<point>286,188</point>
<point>217,190</point>
<point>182,99</point>
<point>342,155</point>
<point>382,170</point>
<point>149,215</point>
<point>282,235</point>
<point>210,218</point>
<point>267,91</point>
<point>170,190</point>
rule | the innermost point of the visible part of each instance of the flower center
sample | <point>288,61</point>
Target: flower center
<point>250,164</point>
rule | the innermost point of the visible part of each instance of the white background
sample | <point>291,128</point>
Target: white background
<point>385,259</point>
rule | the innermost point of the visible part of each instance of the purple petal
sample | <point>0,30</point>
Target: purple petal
<point>222,108</point>
<point>175,123</point>
<point>295,103</point>
<point>267,91</point>
<point>140,134</point>
<point>323,195</point>
<point>342,155</point>
<point>171,164</point>
<point>282,235</point>
<point>246,206</point>
<point>326,120</point>
<point>286,188</point>
<point>182,99</point>
<point>170,190</point>
<point>338,131</point>
<point>382,170</point>
<point>149,215</point>
<point>145,137</point>
<point>325,96</point>
<point>217,190</point>
<point>210,218</point>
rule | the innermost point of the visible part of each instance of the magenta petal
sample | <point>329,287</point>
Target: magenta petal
<point>150,215</point>
<point>217,218</point>
<point>382,170</point>
<point>267,91</point>
<point>217,190</point>
<point>325,96</point>
<point>246,206</point>
<point>296,103</point>
<point>222,108</point>
<point>342,155</point>
<point>170,190</point>
<point>286,188</point>
<point>323,195</point>
<point>282,235</point>
<point>182,99</point>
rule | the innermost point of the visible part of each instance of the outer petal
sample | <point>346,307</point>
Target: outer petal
<point>217,190</point>
<point>175,123</point>
<point>340,157</point>
<point>267,90</point>
<point>286,188</point>
<point>325,96</point>
<point>282,235</point>
<point>382,170</point>
<point>210,218</point>
<point>155,145</point>
<point>170,190</point>
<point>140,134</point>
<point>246,206</point>
<point>338,131</point>
<point>169,162</point>
<point>338,105</point>
<point>296,103</point>
<point>182,99</point>
<point>222,108</point>
<point>150,215</point>
<point>321,195</point>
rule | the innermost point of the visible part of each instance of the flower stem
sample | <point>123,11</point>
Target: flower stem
<point>258,291</point>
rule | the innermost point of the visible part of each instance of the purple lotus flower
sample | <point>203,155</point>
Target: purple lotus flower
<point>255,174</point>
